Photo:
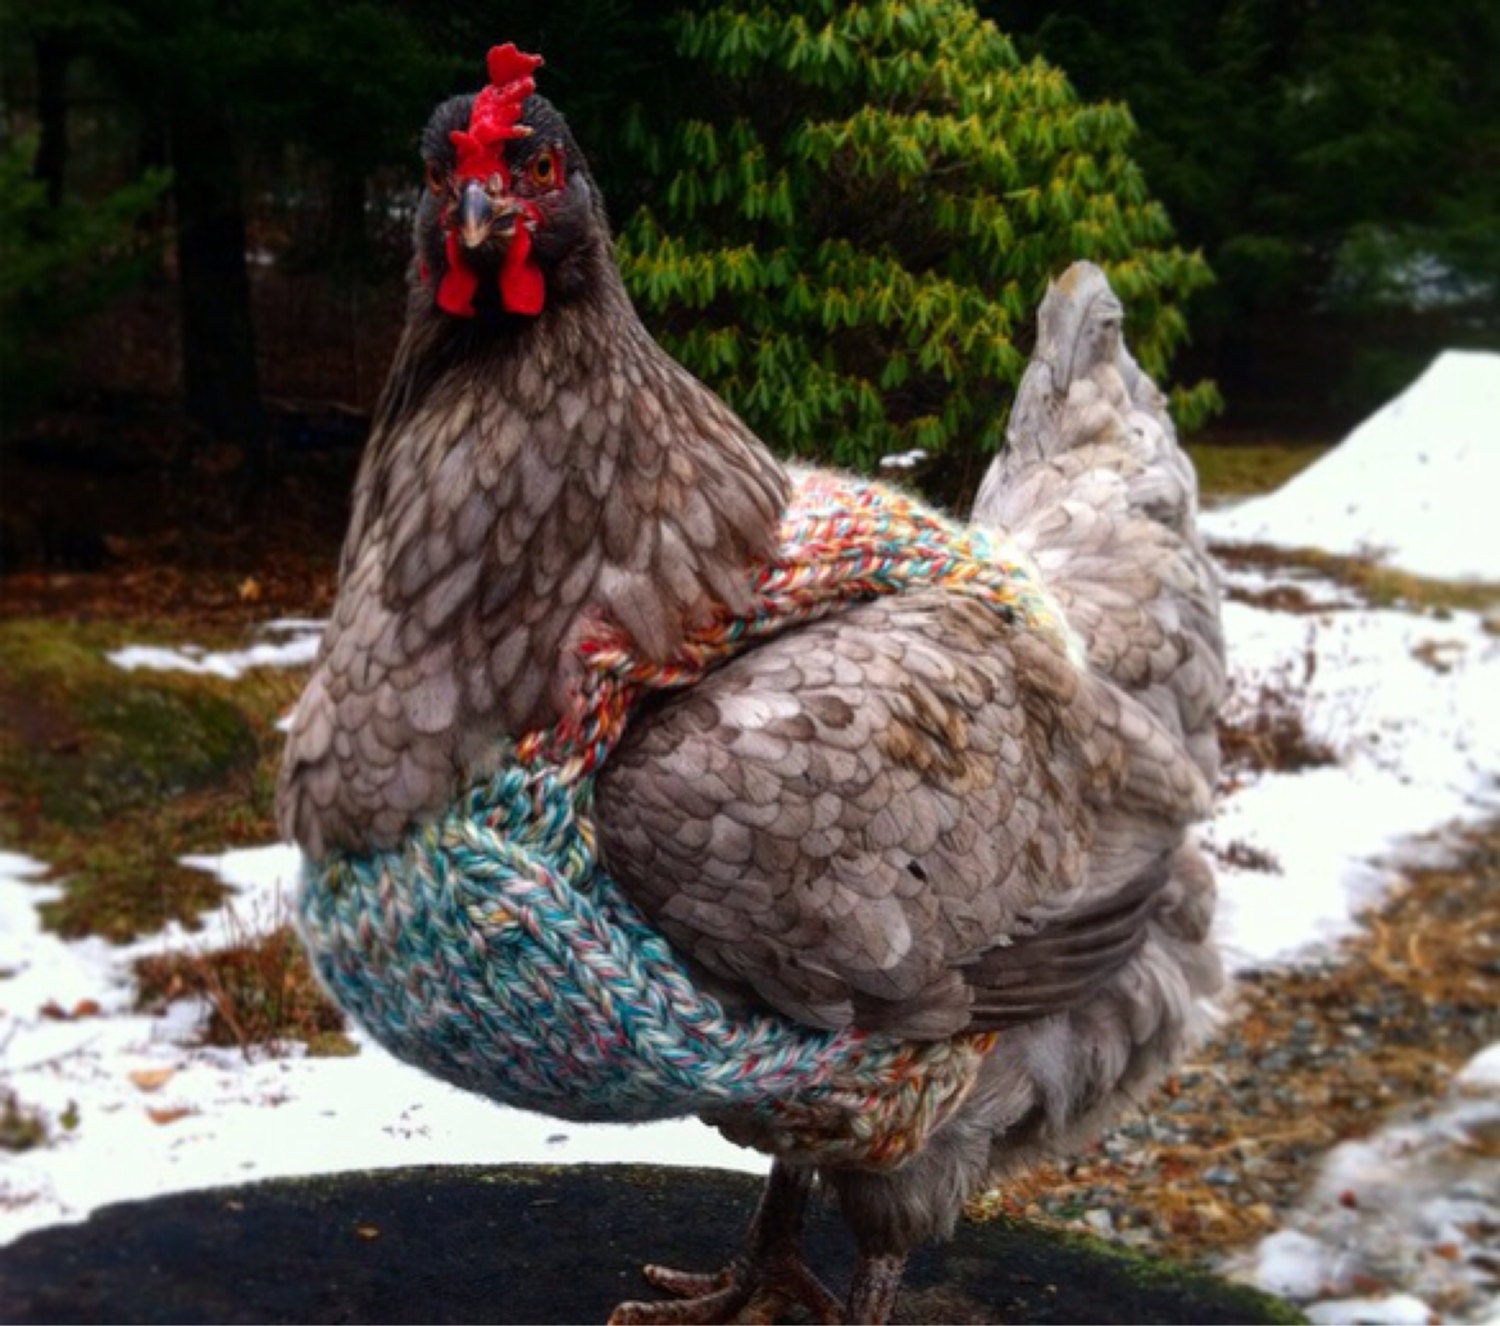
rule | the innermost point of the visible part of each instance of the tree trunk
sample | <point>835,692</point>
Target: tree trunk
<point>220,379</point>
<point>52,59</point>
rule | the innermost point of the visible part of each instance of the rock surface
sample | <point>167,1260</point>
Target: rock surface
<point>533,1244</point>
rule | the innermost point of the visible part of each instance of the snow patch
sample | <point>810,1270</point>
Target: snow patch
<point>298,650</point>
<point>1293,1265</point>
<point>16,865</point>
<point>903,460</point>
<point>1398,1310</point>
<point>1481,1075</point>
<point>1413,485</point>
<point>1416,1205</point>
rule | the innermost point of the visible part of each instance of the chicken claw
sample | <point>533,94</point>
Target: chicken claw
<point>760,1284</point>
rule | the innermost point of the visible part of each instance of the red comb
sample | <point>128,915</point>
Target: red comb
<point>508,65</point>
<point>497,110</point>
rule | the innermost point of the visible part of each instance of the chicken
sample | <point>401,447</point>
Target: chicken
<point>910,816</point>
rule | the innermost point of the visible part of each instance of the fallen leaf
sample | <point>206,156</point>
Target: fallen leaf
<point>1438,654</point>
<point>84,1008</point>
<point>169,1115</point>
<point>1482,1137</point>
<point>250,590</point>
<point>151,1079</point>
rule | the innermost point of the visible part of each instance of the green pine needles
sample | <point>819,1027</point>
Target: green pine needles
<point>858,228</point>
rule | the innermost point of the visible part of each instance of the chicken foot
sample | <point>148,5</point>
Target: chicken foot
<point>762,1282</point>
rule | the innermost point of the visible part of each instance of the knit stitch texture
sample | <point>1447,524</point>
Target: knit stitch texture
<point>492,949</point>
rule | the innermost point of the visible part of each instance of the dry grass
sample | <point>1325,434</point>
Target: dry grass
<point>1379,586</point>
<point>260,992</point>
<point>1276,598</point>
<point>1270,736</point>
<point>1245,856</point>
<point>1262,729</point>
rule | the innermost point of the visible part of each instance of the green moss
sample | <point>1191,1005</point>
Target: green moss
<point>123,892</point>
<point>21,1128</point>
<point>82,740</point>
<point>331,1045</point>
<point>1150,1272</point>
<point>111,776</point>
<point>1241,469</point>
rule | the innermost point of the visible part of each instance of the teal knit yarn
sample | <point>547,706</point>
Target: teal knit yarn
<point>493,950</point>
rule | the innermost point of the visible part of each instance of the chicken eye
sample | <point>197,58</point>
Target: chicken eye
<point>544,170</point>
<point>436,180</point>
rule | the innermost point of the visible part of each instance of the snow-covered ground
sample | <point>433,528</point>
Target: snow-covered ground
<point>1410,705</point>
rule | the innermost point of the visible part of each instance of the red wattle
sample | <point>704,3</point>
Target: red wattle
<point>457,288</point>
<point>522,287</point>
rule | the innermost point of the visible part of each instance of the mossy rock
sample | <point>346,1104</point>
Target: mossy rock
<point>537,1244</point>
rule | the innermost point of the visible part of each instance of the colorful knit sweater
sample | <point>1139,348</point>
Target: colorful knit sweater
<point>492,948</point>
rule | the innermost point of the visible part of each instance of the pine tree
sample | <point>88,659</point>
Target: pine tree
<point>855,234</point>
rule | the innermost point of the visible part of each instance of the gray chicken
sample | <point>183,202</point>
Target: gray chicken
<point>907,816</point>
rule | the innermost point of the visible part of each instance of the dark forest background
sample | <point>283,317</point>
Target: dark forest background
<point>204,210</point>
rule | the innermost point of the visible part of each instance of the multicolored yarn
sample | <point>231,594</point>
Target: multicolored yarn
<point>493,949</point>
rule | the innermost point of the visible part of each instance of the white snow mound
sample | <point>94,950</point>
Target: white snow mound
<point>1413,486</point>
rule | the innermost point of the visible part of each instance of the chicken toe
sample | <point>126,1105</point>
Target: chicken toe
<point>760,1284</point>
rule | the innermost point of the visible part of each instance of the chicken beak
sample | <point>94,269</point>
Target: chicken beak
<point>482,215</point>
<point>476,215</point>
